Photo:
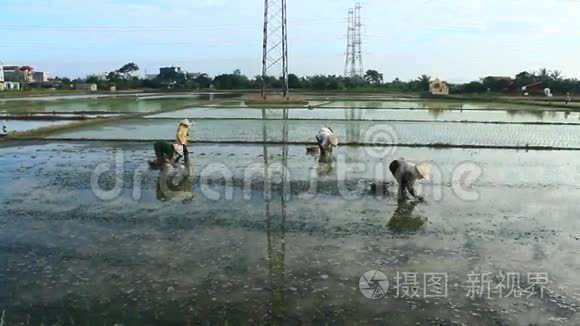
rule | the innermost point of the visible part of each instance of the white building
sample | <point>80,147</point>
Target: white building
<point>11,86</point>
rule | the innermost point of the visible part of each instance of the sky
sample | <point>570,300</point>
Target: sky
<point>454,40</point>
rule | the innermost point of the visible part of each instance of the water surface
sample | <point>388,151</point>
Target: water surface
<point>150,258</point>
<point>364,132</point>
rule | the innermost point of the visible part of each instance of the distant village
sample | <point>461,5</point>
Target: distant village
<point>542,83</point>
<point>15,78</point>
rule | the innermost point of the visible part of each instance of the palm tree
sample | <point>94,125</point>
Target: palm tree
<point>556,75</point>
<point>424,82</point>
<point>543,74</point>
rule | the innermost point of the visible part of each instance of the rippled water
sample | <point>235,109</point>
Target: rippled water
<point>532,115</point>
<point>348,131</point>
<point>150,258</point>
<point>268,234</point>
<point>26,125</point>
<point>424,104</point>
<point>126,104</point>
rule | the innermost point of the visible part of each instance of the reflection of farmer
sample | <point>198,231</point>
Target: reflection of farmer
<point>326,164</point>
<point>175,183</point>
<point>326,140</point>
<point>402,219</point>
<point>183,135</point>
<point>407,173</point>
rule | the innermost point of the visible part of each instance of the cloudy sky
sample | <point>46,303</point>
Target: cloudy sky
<point>456,40</point>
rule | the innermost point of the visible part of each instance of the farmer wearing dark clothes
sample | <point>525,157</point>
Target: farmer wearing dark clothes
<point>406,174</point>
<point>167,152</point>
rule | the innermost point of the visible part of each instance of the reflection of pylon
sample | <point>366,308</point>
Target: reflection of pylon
<point>275,45</point>
<point>353,64</point>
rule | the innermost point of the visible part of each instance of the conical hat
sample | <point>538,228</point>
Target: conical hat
<point>424,170</point>
<point>178,149</point>
<point>333,140</point>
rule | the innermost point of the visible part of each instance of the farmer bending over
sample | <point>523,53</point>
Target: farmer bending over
<point>326,140</point>
<point>406,174</point>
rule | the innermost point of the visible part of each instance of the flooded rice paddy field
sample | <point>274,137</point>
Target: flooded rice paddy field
<point>223,248</point>
<point>27,125</point>
<point>500,116</point>
<point>263,233</point>
<point>422,104</point>
<point>106,105</point>
<point>350,132</point>
<point>120,95</point>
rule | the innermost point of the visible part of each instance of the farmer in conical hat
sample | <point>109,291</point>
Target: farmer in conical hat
<point>183,135</point>
<point>407,173</point>
<point>326,140</point>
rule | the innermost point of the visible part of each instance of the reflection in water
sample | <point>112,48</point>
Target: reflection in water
<point>435,113</point>
<point>353,129</point>
<point>403,220</point>
<point>276,228</point>
<point>175,183</point>
<point>326,164</point>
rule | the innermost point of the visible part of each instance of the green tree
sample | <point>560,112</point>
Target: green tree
<point>113,76</point>
<point>543,75</point>
<point>424,82</point>
<point>202,81</point>
<point>294,81</point>
<point>556,75</point>
<point>374,77</point>
<point>128,69</point>
<point>231,81</point>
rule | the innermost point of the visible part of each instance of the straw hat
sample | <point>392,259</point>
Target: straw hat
<point>333,140</point>
<point>185,122</point>
<point>424,170</point>
<point>177,148</point>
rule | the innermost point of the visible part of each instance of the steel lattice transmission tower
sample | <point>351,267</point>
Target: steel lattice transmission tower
<point>275,46</point>
<point>353,64</point>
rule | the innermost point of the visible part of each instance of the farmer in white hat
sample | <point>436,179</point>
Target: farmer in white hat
<point>326,140</point>
<point>407,173</point>
<point>183,135</point>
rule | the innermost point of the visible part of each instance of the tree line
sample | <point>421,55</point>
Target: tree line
<point>124,78</point>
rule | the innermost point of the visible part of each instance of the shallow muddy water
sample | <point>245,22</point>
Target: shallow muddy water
<point>505,116</point>
<point>224,248</point>
<point>425,104</point>
<point>27,125</point>
<point>359,132</point>
<point>124,104</point>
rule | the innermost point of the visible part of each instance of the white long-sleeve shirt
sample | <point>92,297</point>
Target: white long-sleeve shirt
<point>406,174</point>
<point>324,137</point>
